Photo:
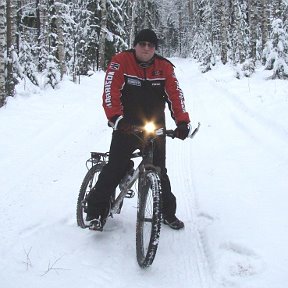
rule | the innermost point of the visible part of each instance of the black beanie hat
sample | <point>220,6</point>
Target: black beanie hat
<point>146,35</point>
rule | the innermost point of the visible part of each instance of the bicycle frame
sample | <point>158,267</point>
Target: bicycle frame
<point>148,221</point>
<point>147,161</point>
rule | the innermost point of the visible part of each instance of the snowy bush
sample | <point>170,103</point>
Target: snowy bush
<point>51,73</point>
<point>248,68</point>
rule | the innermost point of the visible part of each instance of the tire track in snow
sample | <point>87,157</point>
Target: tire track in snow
<point>245,112</point>
<point>195,259</point>
<point>232,114</point>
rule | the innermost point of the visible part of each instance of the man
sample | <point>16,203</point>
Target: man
<point>138,83</point>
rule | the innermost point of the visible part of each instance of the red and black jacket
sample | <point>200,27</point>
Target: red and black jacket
<point>140,93</point>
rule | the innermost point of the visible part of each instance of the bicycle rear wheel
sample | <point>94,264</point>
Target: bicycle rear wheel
<point>88,183</point>
<point>148,218</point>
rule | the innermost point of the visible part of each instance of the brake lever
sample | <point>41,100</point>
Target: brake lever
<point>195,131</point>
<point>159,131</point>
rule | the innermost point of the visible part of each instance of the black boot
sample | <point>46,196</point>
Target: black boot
<point>98,217</point>
<point>173,222</point>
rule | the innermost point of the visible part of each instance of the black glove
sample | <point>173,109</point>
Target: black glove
<point>181,131</point>
<point>124,126</point>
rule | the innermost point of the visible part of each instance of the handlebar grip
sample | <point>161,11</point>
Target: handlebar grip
<point>170,133</point>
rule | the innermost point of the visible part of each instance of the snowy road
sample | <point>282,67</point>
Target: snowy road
<point>230,183</point>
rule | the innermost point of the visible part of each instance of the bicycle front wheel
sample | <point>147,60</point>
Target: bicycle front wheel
<point>148,218</point>
<point>88,183</point>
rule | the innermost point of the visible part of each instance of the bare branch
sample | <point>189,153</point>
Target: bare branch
<point>51,267</point>
<point>28,262</point>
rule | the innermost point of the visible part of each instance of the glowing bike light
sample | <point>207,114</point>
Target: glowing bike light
<point>150,127</point>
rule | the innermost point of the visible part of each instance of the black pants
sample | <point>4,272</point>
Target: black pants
<point>122,146</point>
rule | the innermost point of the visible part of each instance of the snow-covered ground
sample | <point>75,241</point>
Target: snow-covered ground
<point>230,181</point>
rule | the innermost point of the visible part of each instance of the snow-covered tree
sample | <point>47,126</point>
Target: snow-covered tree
<point>103,33</point>
<point>11,42</point>
<point>264,12</point>
<point>51,73</point>
<point>224,30</point>
<point>118,35</point>
<point>277,51</point>
<point>26,60</point>
<point>147,14</point>
<point>82,35</point>
<point>239,37</point>
<point>59,7</point>
<point>2,59</point>
<point>129,22</point>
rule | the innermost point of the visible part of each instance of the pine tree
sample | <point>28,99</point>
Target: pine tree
<point>277,51</point>
<point>168,30</point>
<point>75,33</point>
<point>85,34</point>
<point>117,35</point>
<point>27,62</point>
<point>51,73</point>
<point>203,41</point>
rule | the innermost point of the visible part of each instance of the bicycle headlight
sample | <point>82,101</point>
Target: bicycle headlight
<point>150,127</point>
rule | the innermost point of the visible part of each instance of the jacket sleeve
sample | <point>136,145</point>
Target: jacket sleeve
<point>175,97</point>
<point>113,83</point>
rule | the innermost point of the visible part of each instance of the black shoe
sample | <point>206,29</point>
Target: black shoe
<point>97,224</point>
<point>97,220</point>
<point>173,222</point>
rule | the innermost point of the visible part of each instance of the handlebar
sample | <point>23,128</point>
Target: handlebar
<point>170,133</point>
<point>157,132</point>
<point>194,131</point>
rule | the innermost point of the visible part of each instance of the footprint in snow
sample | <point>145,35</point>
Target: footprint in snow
<point>235,262</point>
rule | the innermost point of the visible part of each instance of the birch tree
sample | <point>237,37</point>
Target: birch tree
<point>191,11</point>
<point>2,59</point>
<point>10,81</point>
<point>38,26</point>
<point>240,33</point>
<point>73,35</point>
<point>253,24</point>
<point>132,5</point>
<point>60,38</point>
<point>103,32</point>
<point>264,12</point>
<point>224,31</point>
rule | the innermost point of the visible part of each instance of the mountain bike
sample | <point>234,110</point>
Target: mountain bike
<point>149,214</point>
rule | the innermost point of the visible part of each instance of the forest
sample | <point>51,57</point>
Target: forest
<point>43,41</point>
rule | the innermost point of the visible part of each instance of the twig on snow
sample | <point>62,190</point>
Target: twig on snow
<point>28,262</point>
<point>52,267</point>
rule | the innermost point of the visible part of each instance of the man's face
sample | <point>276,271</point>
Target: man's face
<point>144,51</point>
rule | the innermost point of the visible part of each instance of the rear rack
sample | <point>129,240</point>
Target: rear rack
<point>97,157</point>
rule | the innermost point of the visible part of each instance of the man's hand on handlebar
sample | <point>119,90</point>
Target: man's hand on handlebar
<point>182,130</point>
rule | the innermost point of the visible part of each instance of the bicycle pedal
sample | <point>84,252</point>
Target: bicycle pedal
<point>130,194</point>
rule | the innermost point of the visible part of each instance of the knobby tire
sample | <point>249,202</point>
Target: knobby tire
<point>88,182</point>
<point>148,218</point>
